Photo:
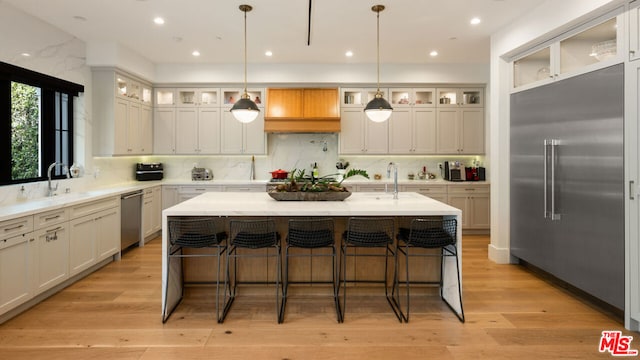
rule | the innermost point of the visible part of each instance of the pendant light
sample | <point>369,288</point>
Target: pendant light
<point>245,110</point>
<point>378,109</point>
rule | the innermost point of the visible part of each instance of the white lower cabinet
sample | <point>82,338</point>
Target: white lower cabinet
<point>50,257</point>
<point>474,201</point>
<point>15,284</point>
<point>151,211</point>
<point>92,237</point>
<point>107,224</point>
<point>170,196</point>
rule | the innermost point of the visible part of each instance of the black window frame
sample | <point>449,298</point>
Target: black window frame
<point>49,87</point>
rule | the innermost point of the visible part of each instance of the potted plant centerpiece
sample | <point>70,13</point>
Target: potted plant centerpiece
<point>325,188</point>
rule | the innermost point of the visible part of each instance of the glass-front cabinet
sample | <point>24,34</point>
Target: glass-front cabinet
<point>198,97</point>
<point>586,48</point>
<point>230,96</point>
<point>420,97</point>
<point>532,68</point>
<point>359,97</point>
<point>455,97</point>
<point>165,96</point>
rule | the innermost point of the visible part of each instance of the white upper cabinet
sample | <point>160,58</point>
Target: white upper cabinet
<point>460,97</point>
<point>586,48</point>
<point>165,97</point>
<point>122,114</point>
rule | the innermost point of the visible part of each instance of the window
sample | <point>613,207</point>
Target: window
<point>38,126</point>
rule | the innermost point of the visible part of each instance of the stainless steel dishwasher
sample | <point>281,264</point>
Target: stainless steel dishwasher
<point>130,219</point>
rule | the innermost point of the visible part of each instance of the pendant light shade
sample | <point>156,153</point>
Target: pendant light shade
<point>378,109</point>
<point>245,110</point>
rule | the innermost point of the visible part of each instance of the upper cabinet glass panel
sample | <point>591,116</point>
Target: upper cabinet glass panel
<point>591,46</point>
<point>532,68</point>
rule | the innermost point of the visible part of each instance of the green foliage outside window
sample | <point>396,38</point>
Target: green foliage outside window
<point>25,129</point>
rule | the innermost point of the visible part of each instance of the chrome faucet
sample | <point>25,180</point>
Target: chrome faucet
<point>51,191</point>
<point>393,166</point>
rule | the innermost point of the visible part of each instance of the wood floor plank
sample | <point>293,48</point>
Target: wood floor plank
<point>115,314</point>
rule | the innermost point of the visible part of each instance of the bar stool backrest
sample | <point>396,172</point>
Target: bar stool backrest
<point>372,232</point>
<point>253,234</point>
<point>431,233</point>
<point>196,232</point>
<point>311,233</point>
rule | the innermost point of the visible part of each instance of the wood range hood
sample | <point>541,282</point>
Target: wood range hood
<point>302,110</point>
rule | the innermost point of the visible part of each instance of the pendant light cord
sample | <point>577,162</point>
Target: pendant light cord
<point>378,47</point>
<point>245,95</point>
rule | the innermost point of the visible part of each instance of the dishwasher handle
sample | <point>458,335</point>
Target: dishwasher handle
<point>131,195</point>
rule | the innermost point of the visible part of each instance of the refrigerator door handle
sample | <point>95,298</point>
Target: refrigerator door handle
<point>632,190</point>
<point>545,177</point>
<point>554,144</point>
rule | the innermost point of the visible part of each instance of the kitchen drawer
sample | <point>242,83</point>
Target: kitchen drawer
<point>9,242</point>
<point>245,188</point>
<point>425,189</point>
<point>93,207</point>
<point>15,227</point>
<point>198,189</point>
<point>468,189</point>
<point>373,188</point>
<point>51,218</point>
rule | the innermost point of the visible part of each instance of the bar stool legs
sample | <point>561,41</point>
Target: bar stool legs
<point>195,233</point>
<point>430,234</point>
<point>369,233</point>
<point>253,237</point>
<point>312,234</point>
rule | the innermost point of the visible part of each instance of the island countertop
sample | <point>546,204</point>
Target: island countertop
<point>358,204</point>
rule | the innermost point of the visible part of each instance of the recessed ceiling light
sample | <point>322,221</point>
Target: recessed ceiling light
<point>25,54</point>
<point>268,53</point>
<point>475,21</point>
<point>158,20</point>
<point>433,53</point>
<point>195,53</point>
<point>348,53</point>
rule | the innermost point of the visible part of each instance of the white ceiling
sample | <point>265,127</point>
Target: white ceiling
<point>409,29</point>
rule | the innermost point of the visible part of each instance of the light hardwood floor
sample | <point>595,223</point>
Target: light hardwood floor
<point>115,314</point>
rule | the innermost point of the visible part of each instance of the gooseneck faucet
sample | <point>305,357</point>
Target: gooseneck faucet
<point>393,166</point>
<point>51,190</point>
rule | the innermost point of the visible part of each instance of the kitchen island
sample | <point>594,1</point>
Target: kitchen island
<point>246,204</point>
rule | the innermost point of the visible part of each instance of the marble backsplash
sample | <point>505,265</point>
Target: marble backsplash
<point>285,151</point>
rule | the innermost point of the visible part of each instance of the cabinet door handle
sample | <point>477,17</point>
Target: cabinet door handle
<point>631,190</point>
<point>13,228</point>
<point>54,230</point>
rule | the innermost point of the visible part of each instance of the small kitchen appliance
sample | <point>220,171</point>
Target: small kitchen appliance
<point>454,171</point>
<point>149,171</point>
<point>201,174</point>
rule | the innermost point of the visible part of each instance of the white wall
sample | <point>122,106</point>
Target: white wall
<point>543,23</point>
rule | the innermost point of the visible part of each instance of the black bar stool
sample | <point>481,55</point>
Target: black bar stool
<point>250,236</point>
<point>313,233</point>
<point>435,233</point>
<point>368,233</point>
<point>195,233</point>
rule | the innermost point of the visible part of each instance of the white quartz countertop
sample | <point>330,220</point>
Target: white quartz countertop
<point>358,204</point>
<point>59,201</point>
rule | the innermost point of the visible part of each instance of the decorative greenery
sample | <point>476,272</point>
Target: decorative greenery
<point>298,182</point>
<point>25,127</point>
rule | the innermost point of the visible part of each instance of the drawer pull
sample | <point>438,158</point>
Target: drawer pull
<point>51,217</point>
<point>13,228</point>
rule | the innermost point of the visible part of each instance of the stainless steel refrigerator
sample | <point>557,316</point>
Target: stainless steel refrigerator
<point>567,181</point>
